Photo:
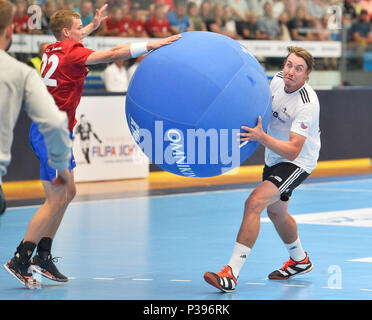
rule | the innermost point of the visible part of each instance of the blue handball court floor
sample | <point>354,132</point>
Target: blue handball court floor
<point>158,247</point>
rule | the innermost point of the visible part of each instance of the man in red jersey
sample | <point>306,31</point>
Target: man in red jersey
<point>63,70</point>
<point>158,24</point>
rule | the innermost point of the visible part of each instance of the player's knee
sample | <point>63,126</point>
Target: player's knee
<point>253,205</point>
<point>56,203</point>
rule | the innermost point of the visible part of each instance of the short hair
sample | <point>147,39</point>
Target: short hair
<point>304,54</point>
<point>62,19</point>
<point>6,14</point>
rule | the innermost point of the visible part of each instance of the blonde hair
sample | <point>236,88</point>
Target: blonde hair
<point>6,14</point>
<point>62,19</point>
<point>304,54</point>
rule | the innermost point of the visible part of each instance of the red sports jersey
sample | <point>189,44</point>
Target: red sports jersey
<point>137,26</point>
<point>126,24</point>
<point>63,71</point>
<point>20,23</point>
<point>155,26</point>
<point>117,26</point>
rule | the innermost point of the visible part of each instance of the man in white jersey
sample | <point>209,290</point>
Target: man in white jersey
<point>292,145</point>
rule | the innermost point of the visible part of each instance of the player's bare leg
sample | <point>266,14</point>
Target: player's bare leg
<point>43,262</point>
<point>286,227</point>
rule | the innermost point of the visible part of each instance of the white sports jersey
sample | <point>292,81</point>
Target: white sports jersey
<point>297,112</point>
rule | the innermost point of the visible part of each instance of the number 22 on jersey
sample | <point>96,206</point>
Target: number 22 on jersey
<point>53,60</point>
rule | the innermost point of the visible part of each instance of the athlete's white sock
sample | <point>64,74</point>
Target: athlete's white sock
<point>238,257</point>
<point>295,250</point>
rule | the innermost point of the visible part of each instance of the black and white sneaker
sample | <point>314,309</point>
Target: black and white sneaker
<point>223,280</point>
<point>22,272</point>
<point>46,267</point>
<point>292,268</point>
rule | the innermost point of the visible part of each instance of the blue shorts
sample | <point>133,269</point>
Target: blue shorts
<point>38,146</point>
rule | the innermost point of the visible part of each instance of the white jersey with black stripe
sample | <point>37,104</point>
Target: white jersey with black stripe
<point>297,112</point>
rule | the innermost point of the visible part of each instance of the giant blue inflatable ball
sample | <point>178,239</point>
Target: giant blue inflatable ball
<point>187,101</point>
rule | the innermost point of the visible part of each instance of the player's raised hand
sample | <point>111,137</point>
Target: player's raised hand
<point>99,17</point>
<point>163,42</point>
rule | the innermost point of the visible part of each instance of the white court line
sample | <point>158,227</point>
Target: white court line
<point>104,278</point>
<point>256,283</point>
<point>141,279</point>
<point>365,289</point>
<point>175,280</point>
<point>294,285</point>
<point>369,259</point>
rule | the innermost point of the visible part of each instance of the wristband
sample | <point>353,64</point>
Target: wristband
<point>138,49</point>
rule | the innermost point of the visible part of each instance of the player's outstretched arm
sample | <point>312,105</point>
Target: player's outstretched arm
<point>128,51</point>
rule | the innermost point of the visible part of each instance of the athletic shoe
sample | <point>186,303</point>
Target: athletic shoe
<point>22,272</point>
<point>47,268</point>
<point>223,280</point>
<point>292,268</point>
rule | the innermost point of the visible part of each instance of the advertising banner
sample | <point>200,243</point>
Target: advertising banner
<point>103,146</point>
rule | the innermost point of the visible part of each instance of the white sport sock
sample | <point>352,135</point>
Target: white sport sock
<point>239,255</point>
<point>295,250</point>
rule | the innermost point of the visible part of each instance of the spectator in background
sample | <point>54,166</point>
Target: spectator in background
<point>85,11</point>
<point>126,20</point>
<point>278,8</point>
<point>115,77</point>
<point>69,5</point>
<point>283,26</point>
<point>217,23</point>
<point>125,10</point>
<point>348,13</point>
<point>249,29</point>
<point>145,7</point>
<point>158,25</point>
<point>98,4</point>
<point>35,62</point>
<point>267,24</point>
<point>50,8</point>
<point>316,9</point>
<point>240,9</point>
<point>168,5</point>
<point>299,25</point>
<point>196,20</point>
<point>20,17</point>
<point>112,3</point>
<point>230,24</point>
<point>367,6</point>
<point>359,36</point>
<point>137,23</point>
<point>178,20</point>
<point>205,11</point>
<point>113,25</point>
<point>257,6</point>
<point>290,8</point>
<point>326,35</point>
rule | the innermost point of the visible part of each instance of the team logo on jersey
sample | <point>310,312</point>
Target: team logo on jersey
<point>304,125</point>
<point>276,115</point>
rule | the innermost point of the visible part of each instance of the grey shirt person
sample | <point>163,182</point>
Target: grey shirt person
<point>22,88</point>
<point>269,26</point>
